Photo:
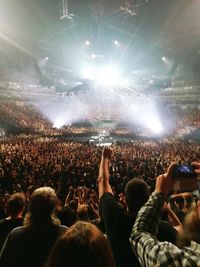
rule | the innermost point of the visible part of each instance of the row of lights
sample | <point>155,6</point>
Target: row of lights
<point>115,42</point>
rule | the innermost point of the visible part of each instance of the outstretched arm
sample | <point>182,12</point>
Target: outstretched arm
<point>104,175</point>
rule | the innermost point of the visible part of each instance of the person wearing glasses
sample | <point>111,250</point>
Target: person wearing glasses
<point>146,246</point>
<point>181,202</point>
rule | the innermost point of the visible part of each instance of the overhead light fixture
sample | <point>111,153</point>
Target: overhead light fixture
<point>116,43</point>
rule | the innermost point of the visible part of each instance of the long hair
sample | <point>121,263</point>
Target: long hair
<point>41,207</point>
<point>82,245</point>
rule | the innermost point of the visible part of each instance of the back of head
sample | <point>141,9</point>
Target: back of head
<point>136,193</point>
<point>82,245</point>
<point>16,204</point>
<point>42,205</point>
<point>67,216</point>
<point>82,212</point>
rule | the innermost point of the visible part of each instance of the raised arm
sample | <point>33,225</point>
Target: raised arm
<point>69,196</point>
<point>104,175</point>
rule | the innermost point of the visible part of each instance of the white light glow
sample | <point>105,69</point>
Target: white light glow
<point>155,125</point>
<point>144,112</point>
<point>88,73</point>
<point>164,59</point>
<point>87,42</point>
<point>125,83</point>
<point>108,76</point>
<point>151,118</point>
<point>59,122</point>
<point>104,75</point>
<point>116,43</point>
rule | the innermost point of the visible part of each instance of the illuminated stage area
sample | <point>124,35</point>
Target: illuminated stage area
<point>97,99</point>
<point>106,65</point>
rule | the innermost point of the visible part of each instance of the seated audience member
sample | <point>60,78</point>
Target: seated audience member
<point>118,221</point>
<point>82,245</point>
<point>15,208</point>
<point>30,244</point>
<point>143,239</point>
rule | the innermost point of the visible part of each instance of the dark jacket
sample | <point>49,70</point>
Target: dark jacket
<point>29,246</point>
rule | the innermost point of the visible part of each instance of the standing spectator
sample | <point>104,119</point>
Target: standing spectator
<point>143,239</point>
<point>82,245</point>
<point>15,209</point>
<point>30,245</point>
<point>118,221</point>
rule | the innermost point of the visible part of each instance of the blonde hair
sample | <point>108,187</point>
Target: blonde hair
<point>41,207</point>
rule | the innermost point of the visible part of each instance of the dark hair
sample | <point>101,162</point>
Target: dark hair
<point>82,245</point>
<point>136,193</point>
<point>16,204</point>
<point>82,212</point>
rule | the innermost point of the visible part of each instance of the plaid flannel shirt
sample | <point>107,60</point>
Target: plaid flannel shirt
<point>149,250</point>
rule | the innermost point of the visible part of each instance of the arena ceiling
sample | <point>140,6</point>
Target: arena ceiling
<point>147,30</point>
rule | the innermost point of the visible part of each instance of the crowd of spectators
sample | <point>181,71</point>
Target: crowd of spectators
<point>44,158</point>
<point>71,168</point>
<point>30,121</point>
<point>52,162</point>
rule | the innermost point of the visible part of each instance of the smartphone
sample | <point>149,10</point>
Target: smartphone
<point>186,171</point>
<point>184,179</point>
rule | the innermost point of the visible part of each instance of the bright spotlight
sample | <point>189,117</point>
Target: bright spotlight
<point>104,75</point>
<point>88,73</point>
<point>46,58</point>
<point>125,83</point>
<point>116,42</point>
<point>155,125</point>
<point>87,42</point>
<point>59,122</point>
<point>108,76</point>
<point>164,59</point>
<point>93,56</point>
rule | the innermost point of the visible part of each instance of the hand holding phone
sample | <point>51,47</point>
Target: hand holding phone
<point>184,178</point>
<point>184,171</point>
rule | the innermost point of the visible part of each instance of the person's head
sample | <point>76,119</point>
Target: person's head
<point>82,245</point>
<point>16,205</point>
<point>82,212</point>
<point>191,225</point>
<point>67,216</point>
<point>136,193</point>
<point>41,206</point>
<point>182,201</point>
